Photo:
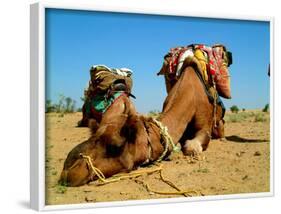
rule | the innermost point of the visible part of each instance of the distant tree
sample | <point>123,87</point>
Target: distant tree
<point>243,109</point>
<point>64,105</point>
<point>49,107</point>
<point>68,104</point>
<point>60,106</point>
<point>266,108</point>
<point>79,109</point>
<point>72,106</point>
<point>234,109</point>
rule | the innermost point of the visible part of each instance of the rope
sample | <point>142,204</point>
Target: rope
<point>95,170</point>
<point>137,173</point>
<point>120,176</point>
<point>186,193</point>
<point>167,140</point>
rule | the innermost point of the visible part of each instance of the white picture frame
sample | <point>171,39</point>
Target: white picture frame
<point>37,105</point>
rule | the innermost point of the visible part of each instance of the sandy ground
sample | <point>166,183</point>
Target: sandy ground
<point>239,164</point>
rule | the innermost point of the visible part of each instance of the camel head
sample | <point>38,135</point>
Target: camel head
<point>110,150</point>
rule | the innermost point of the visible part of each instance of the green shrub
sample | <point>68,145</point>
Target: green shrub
<point>153,113</point>
<point>49,107</point>
<point>266,108</point>
<point>61,188</point>
<point>259,117</point>
<point>239,117</point>
<point>234,109</point>
<point>234,118</point>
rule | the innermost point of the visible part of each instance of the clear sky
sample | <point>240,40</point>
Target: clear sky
<point>75,40</point>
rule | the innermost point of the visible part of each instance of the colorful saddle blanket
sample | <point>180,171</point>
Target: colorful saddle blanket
<point>99,104</point>
<point>213,64</point>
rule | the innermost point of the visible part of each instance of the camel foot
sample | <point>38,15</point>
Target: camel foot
<point>192,147</point>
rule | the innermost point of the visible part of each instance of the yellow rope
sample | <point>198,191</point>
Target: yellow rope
<point>94,169</point>
<point>186,193</point>
<point>119,176</point>
<point>136,173</point>
<point>133,174</point>
<point>167,139</point>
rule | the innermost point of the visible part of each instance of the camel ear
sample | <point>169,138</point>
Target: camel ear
<point>164,67</point>
<point>162,70</point>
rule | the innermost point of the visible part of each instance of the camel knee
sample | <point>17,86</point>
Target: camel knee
<point>192,147</point>
<point>204,138</point>
<point>198,144</point>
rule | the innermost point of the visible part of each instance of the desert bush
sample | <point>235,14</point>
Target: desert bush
<point>153,113</point>
<point>49,107</point>
<point>234,109</point>
<point>61,188</point>
<point>240,117</point>
<point>234,118</point>
<point>266,108</point>
<point>249,116</point>
<point>260,117</point>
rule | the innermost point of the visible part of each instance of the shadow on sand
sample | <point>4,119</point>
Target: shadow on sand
<point>238,139</point>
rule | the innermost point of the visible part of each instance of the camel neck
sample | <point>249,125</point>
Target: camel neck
<point>175,115</point>
<point>173,123</point>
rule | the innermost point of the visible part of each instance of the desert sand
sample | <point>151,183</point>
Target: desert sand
<point>238,164</point>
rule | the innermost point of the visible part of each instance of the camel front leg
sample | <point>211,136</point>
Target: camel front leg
<point>196,145</point>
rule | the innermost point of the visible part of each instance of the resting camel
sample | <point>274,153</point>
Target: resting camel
<point>179,58</point>
<point>125,140</point>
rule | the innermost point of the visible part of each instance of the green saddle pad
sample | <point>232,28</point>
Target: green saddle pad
<point>100,103</point>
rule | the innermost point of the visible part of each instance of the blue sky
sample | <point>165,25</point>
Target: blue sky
<point>75,40</point>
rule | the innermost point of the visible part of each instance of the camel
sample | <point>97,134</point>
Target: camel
<point>193,55</point>
<point>125,139</point>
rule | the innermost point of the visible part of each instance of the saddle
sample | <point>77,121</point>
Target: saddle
<point>102,78</point>
<point>209,61</point>
<point>106,86</point>
<point>206,61</point>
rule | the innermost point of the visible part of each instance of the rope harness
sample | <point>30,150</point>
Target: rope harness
<point>168,142</point>
<point>134,174</point>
